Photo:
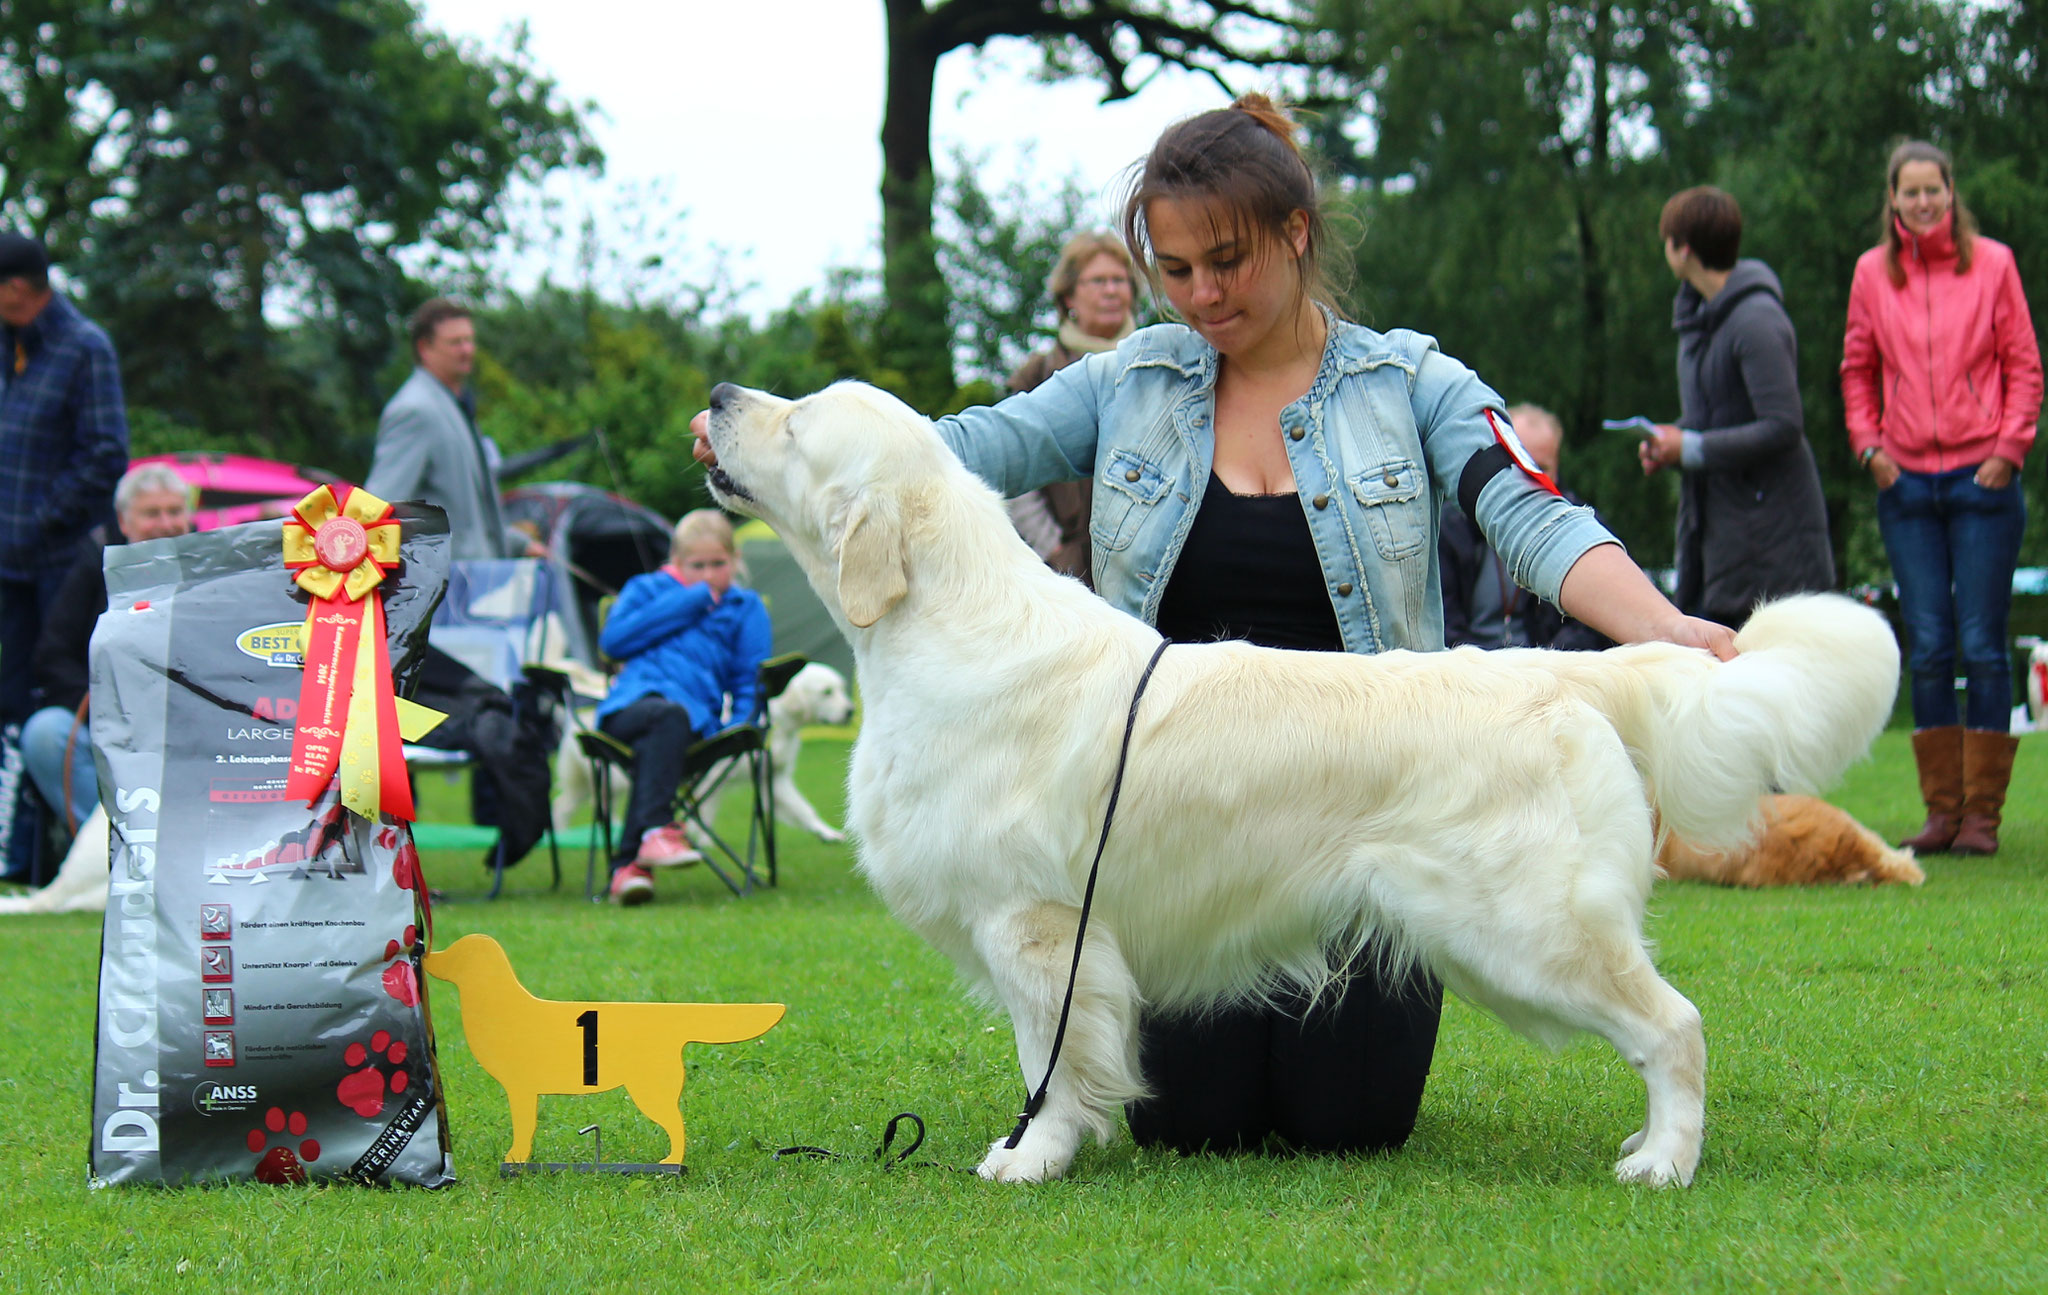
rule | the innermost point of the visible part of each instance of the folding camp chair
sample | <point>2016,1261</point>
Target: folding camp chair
<point>740,749</point>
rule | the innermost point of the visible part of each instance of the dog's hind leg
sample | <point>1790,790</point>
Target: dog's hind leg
<point>1619,996</point>
<point>1665,1045</point>
<point>1583,967</point>
<point>662,1102</point>
<point>1028,955</point>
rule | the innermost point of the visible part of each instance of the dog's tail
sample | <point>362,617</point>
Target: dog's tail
<point>1815,682</point>
<point>730,1022</point>
<point>1897,866</point>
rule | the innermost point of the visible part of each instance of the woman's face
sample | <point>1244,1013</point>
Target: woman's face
<point>1101,299</point>
<point>709,563</point>
<point>1234,294</point>
<point>1920,196</point>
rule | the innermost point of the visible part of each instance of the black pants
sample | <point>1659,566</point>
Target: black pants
<point>659,732</point>
<point>24,605</point>
<point>1346,1075</point>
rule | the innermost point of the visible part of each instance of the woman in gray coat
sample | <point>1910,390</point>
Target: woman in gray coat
<point>1751,521</point>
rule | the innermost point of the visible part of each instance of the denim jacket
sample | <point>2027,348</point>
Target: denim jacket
<point>1382,435</point>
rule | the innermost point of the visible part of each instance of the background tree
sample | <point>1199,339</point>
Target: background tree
<point>996,251</point>
<point>1516,218</point>
<point>48,127</point>
<point>217,168</point>
<point>1118,42</point>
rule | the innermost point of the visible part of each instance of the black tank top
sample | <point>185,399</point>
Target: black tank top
<point>1249,570</point>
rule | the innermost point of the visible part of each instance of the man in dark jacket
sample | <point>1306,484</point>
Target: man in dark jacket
<point>1752,524</point>
<point>63,444</point>
<point>152,502</point>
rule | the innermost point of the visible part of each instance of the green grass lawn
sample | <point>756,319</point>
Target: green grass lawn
<point>1877,1116</point>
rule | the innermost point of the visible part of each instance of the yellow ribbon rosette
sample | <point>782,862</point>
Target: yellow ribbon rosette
<point>339,543</point>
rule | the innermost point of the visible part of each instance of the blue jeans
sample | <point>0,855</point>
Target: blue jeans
<point>43,740</point>
<point>1953,546</point>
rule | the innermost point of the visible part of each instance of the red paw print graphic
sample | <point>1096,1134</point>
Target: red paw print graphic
<point>281,1164</point>
<point>364,1089</point>
<point>399,980</point>
<point>405,868</point>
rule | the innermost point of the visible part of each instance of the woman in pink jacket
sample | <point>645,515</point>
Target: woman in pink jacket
<point>1941,376</point>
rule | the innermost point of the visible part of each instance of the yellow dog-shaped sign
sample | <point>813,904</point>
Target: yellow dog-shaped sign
<point>535,1045</point>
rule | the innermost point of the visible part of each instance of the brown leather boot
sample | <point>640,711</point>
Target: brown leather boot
<point>1939,754</point>
<point>1987,768</point>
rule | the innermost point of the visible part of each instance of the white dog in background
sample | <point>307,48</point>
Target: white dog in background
<point>817,694</point>
<point>1488,814</point>
<point>80,885</point>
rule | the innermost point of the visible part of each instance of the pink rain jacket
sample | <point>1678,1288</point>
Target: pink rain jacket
<point>1944,372</point>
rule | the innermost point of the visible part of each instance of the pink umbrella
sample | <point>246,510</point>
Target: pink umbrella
<point>236,488</point>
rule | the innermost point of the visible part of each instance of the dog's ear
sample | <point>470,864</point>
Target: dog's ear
<point>872,578</point>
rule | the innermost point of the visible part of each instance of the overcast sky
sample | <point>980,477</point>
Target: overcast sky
<point>759,120</point>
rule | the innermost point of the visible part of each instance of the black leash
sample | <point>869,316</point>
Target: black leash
<point>881,1152</point>
<point>1116,786</point>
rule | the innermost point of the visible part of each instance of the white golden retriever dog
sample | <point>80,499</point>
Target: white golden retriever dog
<point>816,694</point>
<point>1488,814</point>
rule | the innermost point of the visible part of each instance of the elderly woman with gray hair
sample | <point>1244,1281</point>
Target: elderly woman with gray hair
<point>1094,288</point>
<point>152,502</point>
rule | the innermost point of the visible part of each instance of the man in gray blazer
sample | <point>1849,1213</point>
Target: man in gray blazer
<point>427,447</point>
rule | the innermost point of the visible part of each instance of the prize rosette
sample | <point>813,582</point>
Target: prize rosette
<point>339,543</point>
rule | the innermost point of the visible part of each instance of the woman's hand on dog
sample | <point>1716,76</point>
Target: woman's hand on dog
<point>1691,631</point>
<point>1608,591</point>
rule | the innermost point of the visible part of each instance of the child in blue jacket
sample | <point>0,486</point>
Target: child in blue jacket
<point>690,640</point>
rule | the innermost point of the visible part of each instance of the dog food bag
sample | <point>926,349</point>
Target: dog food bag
<point>261,1009</point>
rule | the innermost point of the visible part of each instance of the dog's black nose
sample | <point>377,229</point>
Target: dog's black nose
<point>722,393</point>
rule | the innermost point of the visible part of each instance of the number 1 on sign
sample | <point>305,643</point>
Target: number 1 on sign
<point>588,1023</point>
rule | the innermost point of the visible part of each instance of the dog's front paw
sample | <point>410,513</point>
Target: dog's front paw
<point>831,834</point>
<point>1652,1171</point>
<point>1004,1165</point>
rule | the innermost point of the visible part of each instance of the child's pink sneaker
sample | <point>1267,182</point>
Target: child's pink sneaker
<point>666,847</point>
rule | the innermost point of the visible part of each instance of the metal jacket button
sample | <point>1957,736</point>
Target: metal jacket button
<point>1321,501</point>
<point>1391,480</point>
<point>1131,474</point>
<point>1345,588</point>
<point>1296,432</point>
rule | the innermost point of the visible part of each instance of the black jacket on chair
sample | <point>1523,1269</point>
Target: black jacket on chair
<point>508,746</point>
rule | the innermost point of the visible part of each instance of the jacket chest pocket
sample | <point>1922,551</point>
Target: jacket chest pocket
<point>1126,490</point>
<point>1394,503</point>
